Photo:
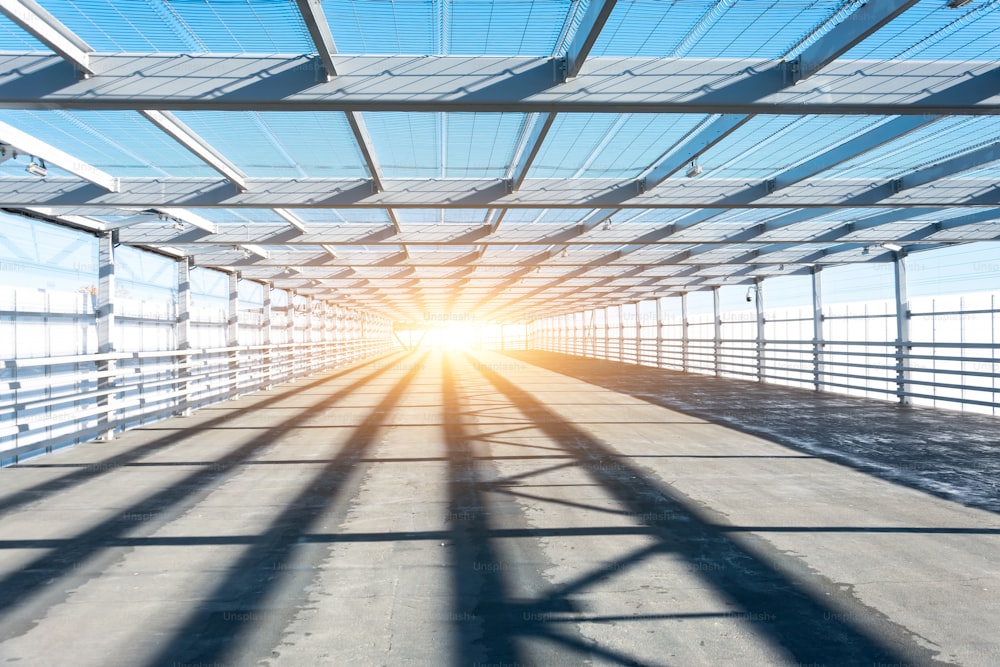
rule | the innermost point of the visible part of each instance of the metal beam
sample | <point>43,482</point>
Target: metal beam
<point>364,141</point>
<point>697,142</point>
<point>587,32</point>
<point>877,136</point>
<point>951,166</point>
<point>292,219</point>
<point>47,29</point>
<point>187,138</point>
<point>853,30</point>
<point>608,194</point>
<point>537,129</point>
<point>190,218</point>
<point>13,141</point>
<point>319,31</point>
<point>495,83</point>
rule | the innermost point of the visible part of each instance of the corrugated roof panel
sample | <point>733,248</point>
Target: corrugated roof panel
<point>931,30</point>
<point>179,26</point>
<point>608,145</point>
<point>766,145</point>
<point>270,144</point>
<point>122,143</point>
<point>711,28</point>
<point>475,145</point>
<point>447,27</point>
<point>13,38</point>
<point>940,140</point>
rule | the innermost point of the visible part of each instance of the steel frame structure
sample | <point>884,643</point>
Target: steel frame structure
<point>623,240</point>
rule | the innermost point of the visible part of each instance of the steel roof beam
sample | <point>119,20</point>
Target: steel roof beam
<point>951,166</point>
<point>14,140</point>
<point>537,129</point>
<point>691,147</point>
<point>187,138</point>
<point>587,32</point>
<point>364,141</point>
<point>488,83</point>
<point>863,22</point>
<point>47,29</point>
<point>319,30</point>
<point>606,195</point>
<point>850,149</point>
<point>292,219</point>
<point>187,216</point>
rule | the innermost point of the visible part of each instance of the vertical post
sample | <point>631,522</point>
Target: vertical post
<point>684,332</point>
<point>621,334</point>
<point>182,336</point>
<point>817,295</point>
<point>717,312</point>
<point>233,334</point>
<point>902,328</point>
<point>758,294</point>
<point>659,332</point>
<point>607,333</point>
<point>266,339</point>
<point>638,333</point>
<point>364,334</point>
<point>105,314</point>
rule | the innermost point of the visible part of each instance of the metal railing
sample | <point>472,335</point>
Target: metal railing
<point>51,402</point>
<point>937,366</point>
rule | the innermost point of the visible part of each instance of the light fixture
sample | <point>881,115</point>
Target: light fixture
<point>866,251</point>
<point>37,167</point>
<point>693,169</point>
<point>892,246</point>
<point>178,225</point>
<point>607,224</point>
<point>246,254</point>
<point>955,4</point>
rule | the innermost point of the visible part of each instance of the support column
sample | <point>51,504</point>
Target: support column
<point>717,311</point>
<point>817,295</point>
<point>684,333</point>
<point>182,336</point>
<point>759,303</point>
<point>233,335</point>
<point>902,329</point>
<point>659,332</point>
<point>105,315</point>
<point>621,334</point>
<point>266,339</point>
<point>638,333</point>
<point>607,333</point>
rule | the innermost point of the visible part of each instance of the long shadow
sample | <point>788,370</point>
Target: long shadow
<point>488,619</point>
<point>495,533</point>
<point>778,610</point>
<point>42,572</point>
<point>947,454</point>
<point>89,471</point>
<point>485,628</point>
<point>233,607</point>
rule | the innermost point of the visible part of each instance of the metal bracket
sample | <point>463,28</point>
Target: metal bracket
<point>791,71</point>
<point>559,69</point>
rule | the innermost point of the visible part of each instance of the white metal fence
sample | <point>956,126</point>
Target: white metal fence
<point>948,359</point>
<point>57,390</point>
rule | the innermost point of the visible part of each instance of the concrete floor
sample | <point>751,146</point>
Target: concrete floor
<point>490,510</point>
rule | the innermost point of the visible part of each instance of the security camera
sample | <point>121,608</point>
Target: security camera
<point>749,298</point>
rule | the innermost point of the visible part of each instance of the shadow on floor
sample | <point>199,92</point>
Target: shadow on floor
<point>948,454</point>
<point>785,614</point>
<point>83,473</point>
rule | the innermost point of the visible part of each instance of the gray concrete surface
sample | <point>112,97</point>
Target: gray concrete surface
<point>478,509</point>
